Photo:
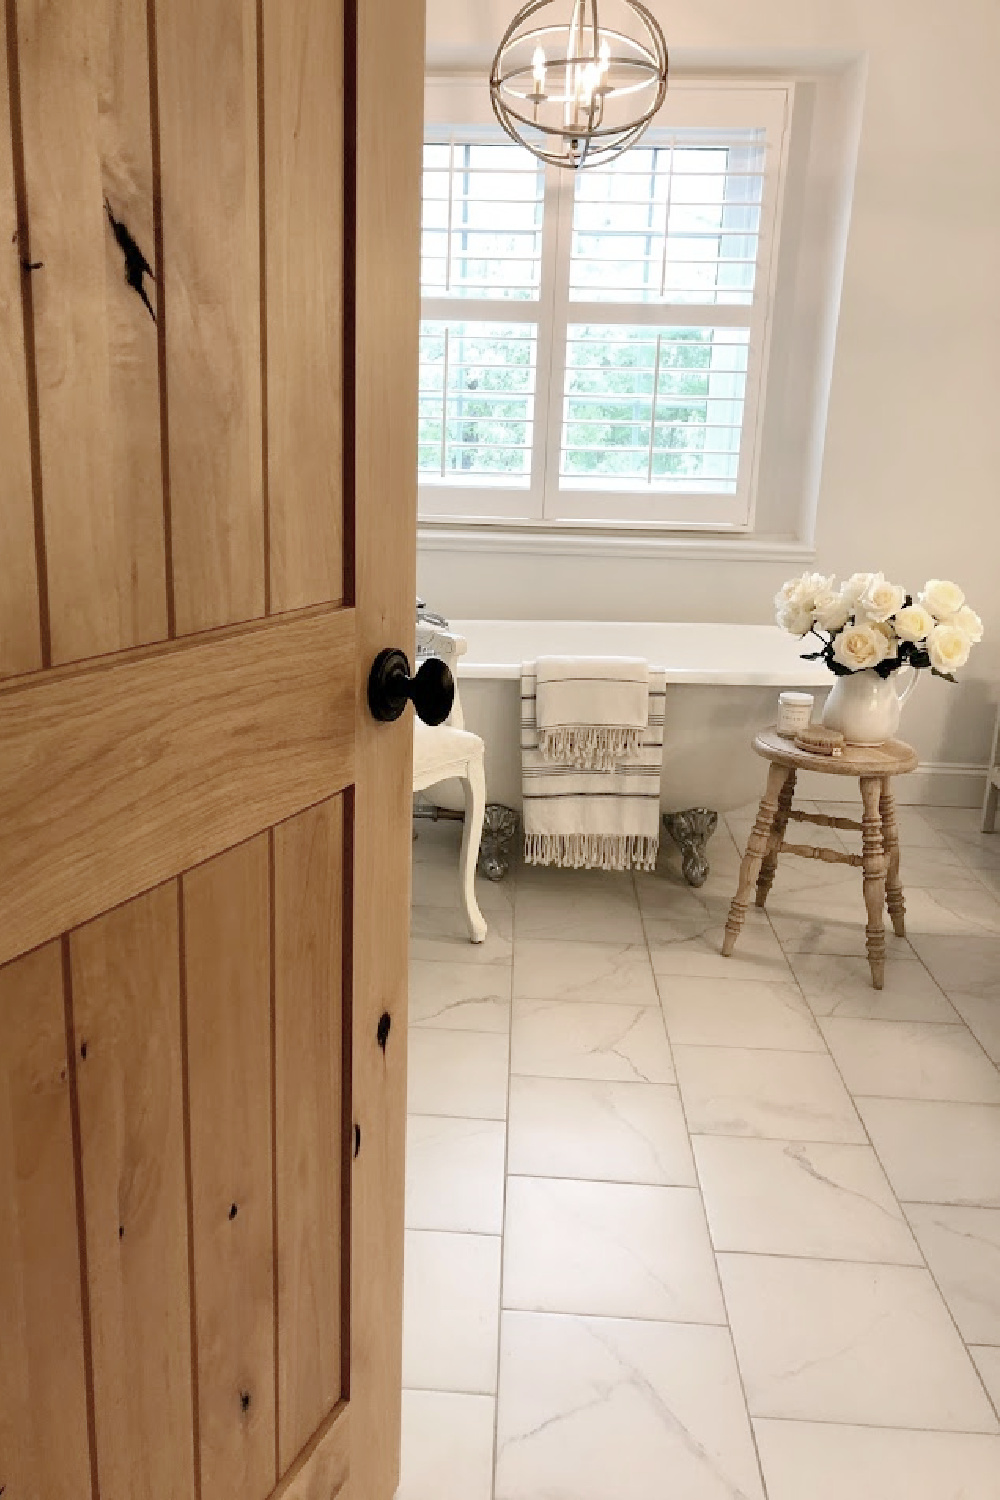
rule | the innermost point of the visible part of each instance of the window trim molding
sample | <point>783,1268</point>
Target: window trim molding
<point>618,539</point>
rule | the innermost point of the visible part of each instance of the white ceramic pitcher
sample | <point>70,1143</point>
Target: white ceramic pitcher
<point>866,707</point>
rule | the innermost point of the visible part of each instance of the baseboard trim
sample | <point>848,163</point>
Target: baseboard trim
<point>935,783</point>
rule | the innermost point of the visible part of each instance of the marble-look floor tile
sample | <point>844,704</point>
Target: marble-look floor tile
<point>987,1360</point>
<point>440,932</point>
<point>460,996</point>
<point>788,1096</point>
<point>609,973</point>
<point>915,830</point>
<point>687,948</point>
<point>560,1039</point>
<point>447,1449</point>
<point>609,1249</point>
<point>578,917</point>
<point>437,883</point>
<point>836,985</point>
<point>597,1409</point>
<point>737,1012</point>
<point>937,1153</point>
<point>454,1174</point>
<point>828,1461</point>
<point>451,1309</point>
<point>982,1016</point>
<point>457,1073</point>
<point>961,962</point>
<point>591,1129</point>
<point>837,1341</point>
<point>436,841</point>
<point>933,869</point>
<point>800,1198</point>
<point>912,1060</point>
<point>837,925</point>
<point>962,1248</point>
<point>956,909</point>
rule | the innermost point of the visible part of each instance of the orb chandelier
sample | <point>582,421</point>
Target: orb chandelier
<point>578,81</point>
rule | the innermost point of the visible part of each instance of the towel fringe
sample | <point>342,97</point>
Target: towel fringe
<point>590,747</point>
<point>592,851</point>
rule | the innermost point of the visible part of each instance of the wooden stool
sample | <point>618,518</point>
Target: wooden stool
<point>874,766</point>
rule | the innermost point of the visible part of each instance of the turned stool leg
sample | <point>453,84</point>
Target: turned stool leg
<point>757,845</point>
<point>765,879</point>
<point>874,866</point>
<point>890,838</point>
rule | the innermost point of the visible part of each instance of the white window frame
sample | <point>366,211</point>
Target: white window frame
<point>461,106</point>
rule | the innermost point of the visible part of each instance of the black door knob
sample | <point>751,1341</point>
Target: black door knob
<point>431,691</point>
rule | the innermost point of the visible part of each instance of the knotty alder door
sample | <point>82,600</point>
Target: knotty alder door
<point>208,280</point>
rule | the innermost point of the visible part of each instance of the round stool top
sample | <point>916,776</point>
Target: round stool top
<point>894,758</point>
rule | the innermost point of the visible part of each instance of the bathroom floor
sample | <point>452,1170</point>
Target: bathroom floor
<point>713,1229</point>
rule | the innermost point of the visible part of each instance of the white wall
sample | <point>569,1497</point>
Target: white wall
<point>911,471</point>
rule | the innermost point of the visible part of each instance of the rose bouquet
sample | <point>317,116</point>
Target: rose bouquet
<point>870,624</point>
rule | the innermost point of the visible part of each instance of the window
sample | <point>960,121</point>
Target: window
<point>593,346</point>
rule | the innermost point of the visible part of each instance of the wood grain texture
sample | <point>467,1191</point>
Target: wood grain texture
<point>207,77</point>
<point>311,1146</point>
<point>118,777</point>
<point>389,144</point>
<point>322,1470</point>
<point>303,67</point>
<point>228,1001</point>
<point>127,1020</point>
<point>894,758</point>
<point>87,140</point>
<point>44,1448</point>
<point>20,633</point>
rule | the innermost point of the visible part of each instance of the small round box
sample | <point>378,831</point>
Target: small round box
<point>794,712</point>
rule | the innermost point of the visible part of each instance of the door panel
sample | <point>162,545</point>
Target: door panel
<point>303,67</point>
<point>20,633</point>
<point>312,1120</point>
<point>204,837</point>
<point>207,75</point>
<point>84,103</point>
<point>227,989</point>
<point>126,1020</point>
<point>43,1393</point>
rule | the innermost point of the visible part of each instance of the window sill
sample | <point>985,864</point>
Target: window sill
<point>565,542</point>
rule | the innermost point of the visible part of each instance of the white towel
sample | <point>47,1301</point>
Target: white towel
<point>592,820</point>
<point>591,710</point>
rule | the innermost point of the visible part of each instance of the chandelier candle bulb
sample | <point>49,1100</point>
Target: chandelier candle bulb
<point>794,713</point>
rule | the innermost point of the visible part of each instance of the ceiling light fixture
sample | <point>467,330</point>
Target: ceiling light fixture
<point>581,90</point>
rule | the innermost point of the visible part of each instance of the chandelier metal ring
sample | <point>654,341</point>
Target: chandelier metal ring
<point>579,93</point>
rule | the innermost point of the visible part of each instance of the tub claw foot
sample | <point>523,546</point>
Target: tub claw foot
<point>499,829</point>
<point>691,831</point>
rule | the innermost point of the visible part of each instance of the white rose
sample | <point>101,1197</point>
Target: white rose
<point>880,599</point>
<point>832,610</point>
<point>888,634</point>
<point>914,623</point>
<point>796,619</point>
<point>942,598</point>
<point>802,592</point>
<point>948,648</point>
<point>856,585</point>
<point>860,646</point>
<point>969,623</point>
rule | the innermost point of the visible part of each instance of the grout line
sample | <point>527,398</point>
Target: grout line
<point>503,1206</point>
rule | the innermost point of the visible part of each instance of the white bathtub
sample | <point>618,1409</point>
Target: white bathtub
<point>723,683</point>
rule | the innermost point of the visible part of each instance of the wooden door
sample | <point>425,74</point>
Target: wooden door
<point>209,222</point>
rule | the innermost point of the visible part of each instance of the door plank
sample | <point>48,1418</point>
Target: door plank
<point>390,105</point>
<point>303,66</point>
<point>169,759</point>
<point>228,1004</point>
<point>322,1470</point>
<point>44,1449</point>
<point>207,77</point>
<point>127,1031</point>
<point>310,1134</point>
<point>87,141</point>
<point>20,632</point>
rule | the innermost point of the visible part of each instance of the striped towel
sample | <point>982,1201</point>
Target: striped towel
<point>592,820</point>
<point>592,710</point>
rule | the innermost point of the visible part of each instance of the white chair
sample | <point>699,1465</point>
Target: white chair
<point>448,752</point>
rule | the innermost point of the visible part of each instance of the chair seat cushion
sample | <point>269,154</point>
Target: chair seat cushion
<point>441,749</point>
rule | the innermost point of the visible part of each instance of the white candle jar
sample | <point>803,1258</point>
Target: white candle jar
<point>794,713</point>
